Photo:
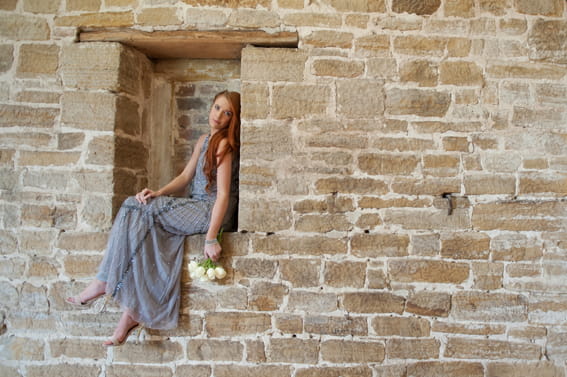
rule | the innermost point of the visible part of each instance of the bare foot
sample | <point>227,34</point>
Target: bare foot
<point>125,326</point>
<point>95,289</point>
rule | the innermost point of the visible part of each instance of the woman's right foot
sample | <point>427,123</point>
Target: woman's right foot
<point>94,290</point>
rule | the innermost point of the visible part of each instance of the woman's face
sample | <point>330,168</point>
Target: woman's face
<point>220,115</point>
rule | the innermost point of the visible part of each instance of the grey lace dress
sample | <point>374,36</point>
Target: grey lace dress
<point>143,261</point>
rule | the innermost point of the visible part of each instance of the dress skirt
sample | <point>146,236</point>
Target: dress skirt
<point>143,261</point>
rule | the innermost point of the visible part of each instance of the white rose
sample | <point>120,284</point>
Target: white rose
<point>200,271</point>
<point>193,266</point>
<point>211,274</point>
<point>220,273</point>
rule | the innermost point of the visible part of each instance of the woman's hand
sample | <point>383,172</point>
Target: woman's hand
<point>212,250</point>
<point>145,194</point>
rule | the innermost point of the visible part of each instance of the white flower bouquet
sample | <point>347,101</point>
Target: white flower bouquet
<point>206,270</point>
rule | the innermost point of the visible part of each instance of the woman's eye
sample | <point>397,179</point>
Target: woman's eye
<point>228,113</point>
<point>217,107</point>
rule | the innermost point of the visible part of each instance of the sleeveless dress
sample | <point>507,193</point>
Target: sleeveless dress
<point>143,261</point>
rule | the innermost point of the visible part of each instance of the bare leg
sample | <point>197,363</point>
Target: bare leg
<point>95,289</point>
<point>125,325</point>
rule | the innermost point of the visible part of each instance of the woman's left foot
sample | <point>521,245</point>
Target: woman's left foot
<point>125,327</point>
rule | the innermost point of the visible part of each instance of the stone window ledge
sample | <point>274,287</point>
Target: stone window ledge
<point>190,44</point>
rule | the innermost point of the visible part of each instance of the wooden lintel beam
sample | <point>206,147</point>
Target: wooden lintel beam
<point>220,44</point>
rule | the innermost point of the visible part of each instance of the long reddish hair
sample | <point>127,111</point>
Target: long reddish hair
<point>230,133</point>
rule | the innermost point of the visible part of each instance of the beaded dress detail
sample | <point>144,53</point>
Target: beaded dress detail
<point>143,261</point>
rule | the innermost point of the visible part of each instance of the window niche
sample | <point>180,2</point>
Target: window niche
<point>180,73</point>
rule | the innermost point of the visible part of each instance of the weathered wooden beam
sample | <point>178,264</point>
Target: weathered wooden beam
<point>190,44</point>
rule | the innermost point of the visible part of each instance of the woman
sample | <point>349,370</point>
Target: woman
<point>142,266</point>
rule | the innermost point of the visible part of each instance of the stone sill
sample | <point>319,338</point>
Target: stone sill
<point>185,44</point>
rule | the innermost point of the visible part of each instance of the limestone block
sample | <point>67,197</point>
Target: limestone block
<point>325,38</point>
<point>372,45</point>
<point>489,184</point>
<point>345,274</point>
<point>264,215</point>
<point>41,6</point>
<point>201,18</point>
<point>364,6</point>
<point>322,223</point>
<point>432,304</point>
<point>469,245</point>
<point>553,8</point>
<point>236,323</point>
<point>313,19</point>
<point>91,66</point>
<point>352,352</point>
<point>381,68</point>
<point>253,19</point>
<point>338,68</point>
<point>97,19</point>
<point>351,185</point>
<point>459,8</point>
<point>30,158</point>
<point>401,326</point>
<point>500,70</point>
<point>214,350</point>
<point>266,296</point>
<point>524,369</point>
<point>547,40</point>
<point>96,212</point>
<point>255,351</point>
<point>317,245</point>
<point>230,4</point>
<point>387,164</point>
<point>426,103</point>
<point>460,73</point>
<point>547,309</point>
<point>255,104</point>
<point>446,368</point>
<point>231,370</point>
<point>158,17</point>
<point>288,323</point>
<point>488,349</point>
<point>421,46</point>
<point>27,116</point>
<point>82,241</point>
<point>13,268</point>
<point>83,5</point>
<point>360,98</point>
<point>423,72</point>
<point>287,350</point>
<point>488,276</point>
<point>299,101</point>
<point>515,247</point>
<point>6,57</point>
<point>147,352</point>
<point>486,307</point>
<point>8,4</point>
<point>380,245</point>
<point>312,301</point>
<point>63,370</point>
<point>291,4</point>
<point>128,116</point>
<point>27,28</point>
<point>542,183</point>
<point>130,154</point>
<point>550,94</point>
<point>373,302</point>
<point>420,349</point>
<point>328,371</point>
<point>81,266</point>
<point>428,271</point>
<point>336,326</point>
<point>520,216</point>
<point>300,272</point>
<point>424,7</point>
<point>254,268</point>
<point>70,140</point>
<point>117,370</point>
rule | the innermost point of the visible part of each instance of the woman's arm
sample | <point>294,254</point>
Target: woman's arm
<point>178,183</point>
<point>224,172</point>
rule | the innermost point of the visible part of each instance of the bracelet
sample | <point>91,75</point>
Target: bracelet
<point>211,242</point>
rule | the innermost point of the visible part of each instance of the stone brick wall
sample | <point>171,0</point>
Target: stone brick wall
<point>403,182</point>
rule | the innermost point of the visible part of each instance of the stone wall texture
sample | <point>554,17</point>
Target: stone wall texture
<point>403,187</point>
